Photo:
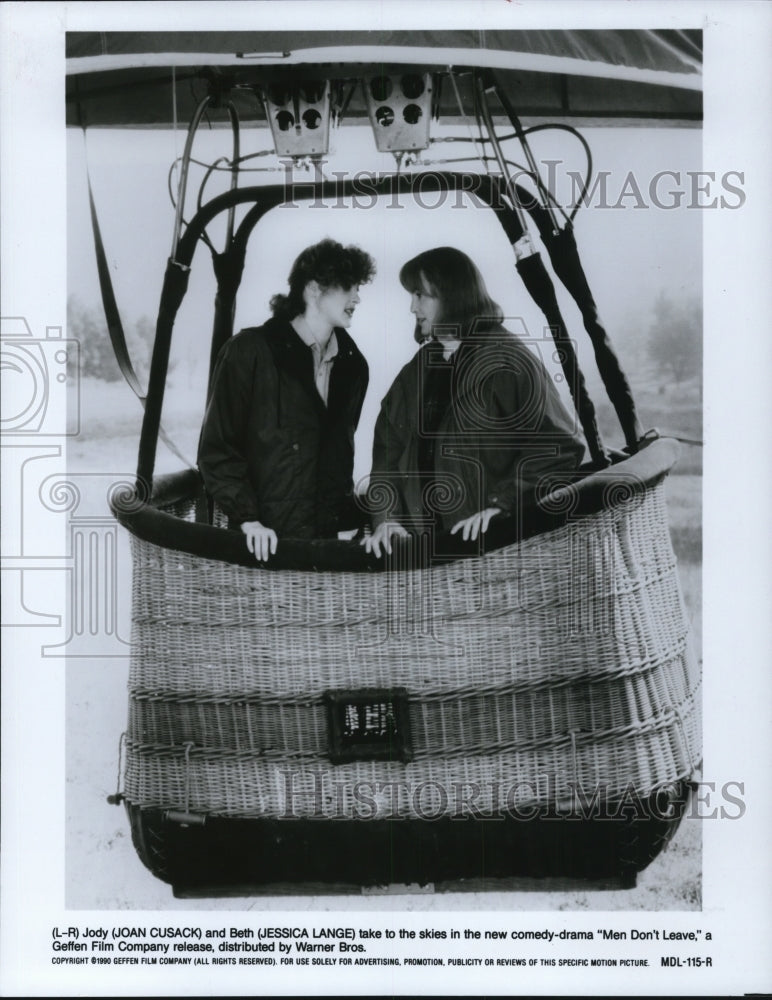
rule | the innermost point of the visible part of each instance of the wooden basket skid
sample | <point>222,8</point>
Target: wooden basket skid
<point>559,662</point>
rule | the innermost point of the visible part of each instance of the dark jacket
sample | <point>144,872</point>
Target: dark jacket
<point>270,450</point>
<point>502,429</point>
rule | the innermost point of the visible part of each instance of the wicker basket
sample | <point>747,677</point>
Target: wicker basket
<point>553,670</point>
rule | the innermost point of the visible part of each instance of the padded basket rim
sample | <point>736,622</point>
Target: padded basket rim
<point>598,491</point>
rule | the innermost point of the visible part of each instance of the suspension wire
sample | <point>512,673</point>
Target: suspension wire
<point>537,179</point>
<point>212,168</point>
<point>509,110</point>
<point>183,221</point>
<point>588,153</point>
<point>464,114</point>
<point>524,246</point>
<point>174,109</point>
<point>510,163</point>
<point>480,130</point>
<point>229,163</point>
<point>183,182</point>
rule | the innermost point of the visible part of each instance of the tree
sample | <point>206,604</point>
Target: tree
<point>675,336</point>
<point>87,325</point>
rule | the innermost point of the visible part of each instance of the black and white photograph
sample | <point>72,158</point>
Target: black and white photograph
<point>385,595</point>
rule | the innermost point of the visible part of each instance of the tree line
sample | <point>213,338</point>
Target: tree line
<point>88,326</point>
<point>673,343</point>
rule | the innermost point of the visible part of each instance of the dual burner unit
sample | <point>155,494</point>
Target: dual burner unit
<point>399,108</point>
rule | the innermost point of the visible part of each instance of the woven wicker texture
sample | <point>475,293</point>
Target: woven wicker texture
<point>559,663</point>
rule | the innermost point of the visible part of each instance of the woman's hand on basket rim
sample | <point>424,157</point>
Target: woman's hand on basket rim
<point>261,541</point>
<point>475,525</point>
<point>382,536</point>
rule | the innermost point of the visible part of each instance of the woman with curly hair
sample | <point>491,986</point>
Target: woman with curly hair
<point>277,445</point>
<point>472,423</point>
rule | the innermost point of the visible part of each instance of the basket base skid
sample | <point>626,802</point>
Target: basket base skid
<point>237,857</point>
<point>433,888</point>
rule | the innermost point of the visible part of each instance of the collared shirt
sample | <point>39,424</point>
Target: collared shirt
<point>322,362</point>
<point>449,348</point>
